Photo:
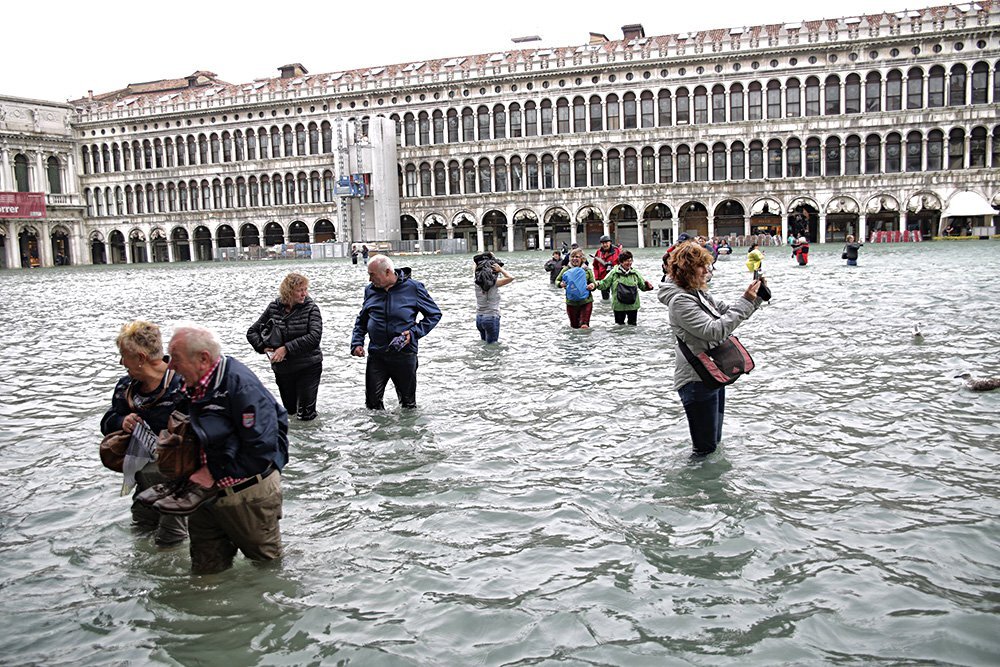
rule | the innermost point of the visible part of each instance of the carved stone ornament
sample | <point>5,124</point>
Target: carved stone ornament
<point>585,213</point>
<point>766,205</point>
<point>433,219</point>
<point>525,214</point>
<point>882,203</point>
<point>923,202</point>
<point>842,205</point>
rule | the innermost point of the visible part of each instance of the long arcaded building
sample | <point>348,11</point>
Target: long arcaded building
<point>882,122</point>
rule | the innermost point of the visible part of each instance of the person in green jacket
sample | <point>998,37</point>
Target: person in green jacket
<point>625,285</point>
<point>578,281</point>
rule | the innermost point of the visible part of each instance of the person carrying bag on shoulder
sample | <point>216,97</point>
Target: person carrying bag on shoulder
<point>701,324</point>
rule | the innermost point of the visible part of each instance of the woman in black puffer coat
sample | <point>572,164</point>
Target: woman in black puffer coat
<point>289,332</point>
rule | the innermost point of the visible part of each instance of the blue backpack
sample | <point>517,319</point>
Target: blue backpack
<point>576,283</point>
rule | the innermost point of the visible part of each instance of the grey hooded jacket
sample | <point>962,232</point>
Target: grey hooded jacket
<point>701,330</point>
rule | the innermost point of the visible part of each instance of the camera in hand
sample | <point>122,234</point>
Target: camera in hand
<point>764,292</point>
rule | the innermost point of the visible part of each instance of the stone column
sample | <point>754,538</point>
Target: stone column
<point>863,228</point>
<point>45,245</point>
<point>128,251</point>
<point>480,240</point>
<point>676,228</point>
<point>149,251</point>
<point>746,225</point>
<point>5,174</point>
<point>420,237</point>
<point>510,237</point>
<point>450,230</point>
<point>640,232</point>
<point>822,227</point>
<point>170,251</point>
<point>12,249</point>
<point>572,232</point>
<point>607,227</point>
<point>784,227</point>
<point>39,176</point>
<point>541,235</point>
<point>711,226</point>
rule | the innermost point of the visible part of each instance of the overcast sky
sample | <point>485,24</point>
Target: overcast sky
<point>58,51</point>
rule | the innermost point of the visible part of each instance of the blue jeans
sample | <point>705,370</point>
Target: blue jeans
<point>489,327</point>
<point>704,408</point>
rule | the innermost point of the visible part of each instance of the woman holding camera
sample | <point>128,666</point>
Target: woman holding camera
<point>289,332</point>
<point>702,322</point>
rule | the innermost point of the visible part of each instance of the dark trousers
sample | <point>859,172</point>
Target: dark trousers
<point>704,408</point>
<point>401,368</point>
<point>630,315</point>
<point>298,391</point>
<point>579,314</point>
<point>170,529</point>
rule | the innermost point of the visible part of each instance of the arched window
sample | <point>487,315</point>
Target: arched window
<point>313,140</point>
<point>683,163</point>
<point>995,161</point>
<point>893,152</point>
<point>254,187</point>
<point>956,149</point>
<point>894,90</point>
<point>773,99</point>
<point>736,112</point>
<point>468,125</point>
<point>545,111</point>
<point>469,176</point>
<point>613,112</point>
<point>701,162</point>
<point>548,172</point>
<point>793,98</point>
<point>454,178</point>
<point>756,159</point>
<point>873,92</point>
<point>452,126</point>
<point>956,89</point>
<point>832,156</point>
<point>719,104</point>
<point>813,157</point>
<point>719,161</point>
<point>499,122</point>
<point>171,198</point>
<point>935,87</point>
<point>996,84</point>
<point>648,165</point>
<point>424,128</point>
<point>631,166</point>
<point>614,167</point>
<point>411,181</point>
<point>106,157</point>
<point>596,169</point>
<point>88,200</point>
<point>664,104</point>
<point>437,124</point>
<point>666,158</point>
<point>53,169</point>
<point>303,182</point>
<point>596,114</point>
<point>216,148</point>
<point>116,157</point>
<point>85,160</point>
<point>531,169</point>
<point>530,119</point>
<point>755,109</point>
<point>516,173</point>
<point>914,151</point>
<point>831,91</point>
<point>935,150</point>
<point>327,136</point>
<point>700,105</point>
<point>629,111</point>
<point>852,155</point>
<point>440,179</point>
<point>580,169</point>
<point>206,195</point>
<point>500,175</point>
<point>914,88</point>
<point>873,154</point>
<point>980,83</point>
<point>227,147</point>
<point>812,96</point>
<point>563,170</point>
<point>579,114</point>
<point>774,159</point>
<point>852,94</point>
<point>314,187</point>
<point>99,202</point>
<point>289,141</point>
<point>737,161</point>
<point>647,114</point>
<point>683,107</point>
<point>485,175</point>
<point>21,174</point>
<point>182,195</point>
<point>793,158</point>
<point>483,117</point>
<point>425,179</point>
<point>516,121</point>
<point>409,130</point>
<point>562,115</point>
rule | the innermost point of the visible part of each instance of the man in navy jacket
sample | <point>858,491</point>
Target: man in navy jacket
<point>389,318</point>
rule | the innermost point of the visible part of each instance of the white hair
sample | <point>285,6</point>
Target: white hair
<point>194,339</point>
<point>381,263</point>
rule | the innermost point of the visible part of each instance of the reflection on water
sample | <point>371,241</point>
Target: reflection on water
<point>540,505</point>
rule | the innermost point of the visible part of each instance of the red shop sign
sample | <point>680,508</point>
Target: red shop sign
<point>22,205</point>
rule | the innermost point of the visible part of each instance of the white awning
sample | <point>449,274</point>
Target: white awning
<point>967,204</point>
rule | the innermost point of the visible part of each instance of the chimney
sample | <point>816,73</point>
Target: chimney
<point>292,71</point>
<point>598,38</point>
<point>633,31</point>
<point>90,94</point>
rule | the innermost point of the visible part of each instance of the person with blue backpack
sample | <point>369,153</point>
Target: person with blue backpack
<point>578,281</point>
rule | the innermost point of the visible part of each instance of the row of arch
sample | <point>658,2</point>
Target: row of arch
<point>219,193</point>
<point>22,174</point>
<point>683,105</point>
<point>198,242</point>
<point>212,148</point>
<point>735,161</point>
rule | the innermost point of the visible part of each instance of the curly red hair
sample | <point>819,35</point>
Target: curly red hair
<point>684,262</point>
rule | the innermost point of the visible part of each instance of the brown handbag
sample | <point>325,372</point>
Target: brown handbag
<point>177,450</point>
<point>113,448</point>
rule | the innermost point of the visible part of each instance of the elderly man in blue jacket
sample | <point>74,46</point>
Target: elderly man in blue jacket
<point>389,318</point>
<point>243,433</point>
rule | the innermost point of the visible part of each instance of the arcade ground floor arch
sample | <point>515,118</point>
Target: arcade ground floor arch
<point>36,243</point>
<point>654,221</point>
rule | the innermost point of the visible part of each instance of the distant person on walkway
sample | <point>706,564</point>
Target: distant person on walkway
<point>851,251</point>
<point>578,281</point>
<point>554,266</point>
<point>388,317</point>
<point>605,259</point>
<point>243,433</point>
<point>625,283</point>
<point>143,400</point>
<point>490,276</point>
<point>289,332</point>
<point>364,254</point>
<point>702,322</point>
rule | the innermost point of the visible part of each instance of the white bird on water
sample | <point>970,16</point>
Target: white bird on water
<point>916,332</point>
<point>989,384</point>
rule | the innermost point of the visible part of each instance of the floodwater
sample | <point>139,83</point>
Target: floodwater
<point>540,506</point>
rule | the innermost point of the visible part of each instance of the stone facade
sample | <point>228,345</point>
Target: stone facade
<point>824,128</point>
